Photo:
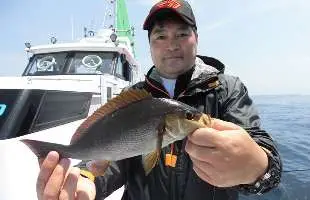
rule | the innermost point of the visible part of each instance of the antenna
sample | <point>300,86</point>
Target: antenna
<point>109,13</point>
<point>85,32</point>
<point>105,15</point>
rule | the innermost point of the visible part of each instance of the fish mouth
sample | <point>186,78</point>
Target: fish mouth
<point>201,120</point>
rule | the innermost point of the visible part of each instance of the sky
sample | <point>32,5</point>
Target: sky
<point>266,43</point>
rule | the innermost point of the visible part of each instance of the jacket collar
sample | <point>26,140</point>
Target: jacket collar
<point>205,68</point>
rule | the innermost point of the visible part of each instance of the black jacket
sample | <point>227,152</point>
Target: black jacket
<point>207,88</point>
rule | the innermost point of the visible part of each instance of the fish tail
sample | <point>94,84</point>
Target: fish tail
<point>41,149</point>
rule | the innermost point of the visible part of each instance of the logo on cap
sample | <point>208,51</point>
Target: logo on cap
<point>2,109</point>
<point>169,4</point>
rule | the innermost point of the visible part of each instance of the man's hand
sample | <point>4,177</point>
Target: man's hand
<point>225,155</point>
<point>57,180</point>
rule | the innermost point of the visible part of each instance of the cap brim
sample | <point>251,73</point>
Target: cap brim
<point>152,17</point>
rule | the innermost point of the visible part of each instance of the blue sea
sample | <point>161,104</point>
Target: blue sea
<point>287,118</point>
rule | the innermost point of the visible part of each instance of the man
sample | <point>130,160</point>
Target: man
<point>234,155</point>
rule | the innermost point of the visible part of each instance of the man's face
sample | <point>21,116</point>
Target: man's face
<point>173,47</point>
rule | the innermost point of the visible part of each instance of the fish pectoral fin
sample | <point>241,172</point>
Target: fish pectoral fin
<point>160,134</point>
<point>150,160</point>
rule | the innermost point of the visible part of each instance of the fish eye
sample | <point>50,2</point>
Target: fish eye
<point>189,115</point>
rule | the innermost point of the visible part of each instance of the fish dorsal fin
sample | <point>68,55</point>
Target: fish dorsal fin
<point>122,100</point>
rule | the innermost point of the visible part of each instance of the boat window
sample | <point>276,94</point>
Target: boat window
<point>134,73</point>
<point>127,72</point>
<point>60,107</point>
<point>109,93</point>
<point>27,111</point>
<point>47,64</point>
<point>18,110</point>
<point>119,70</point>
<point>91,63</point>
<point>7,101</point>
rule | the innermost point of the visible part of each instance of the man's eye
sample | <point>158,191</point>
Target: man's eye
<point>182,35</point>
<point>160,37</point>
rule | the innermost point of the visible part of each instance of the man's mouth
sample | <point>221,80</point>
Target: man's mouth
<point>173,57</point>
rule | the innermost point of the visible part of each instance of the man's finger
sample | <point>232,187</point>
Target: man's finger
<point>69,188</point>
<point>203,175</point>
<point>221,125</point>
<point>55,182</point>
<point>201,153</point>
<point>207,137</point>
<point>47,168</point>
<point>86,189</point>
<point>40,161</point>
<point>207,172</point>
<point>207,167</point>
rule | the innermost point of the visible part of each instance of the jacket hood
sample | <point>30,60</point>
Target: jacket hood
<point>213,62</point>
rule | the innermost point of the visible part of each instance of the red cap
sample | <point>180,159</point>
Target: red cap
<point>180,7</point>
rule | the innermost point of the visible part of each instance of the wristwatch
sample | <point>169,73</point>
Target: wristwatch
<point>266,182</point>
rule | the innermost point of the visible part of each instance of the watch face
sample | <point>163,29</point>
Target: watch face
<point>266,176</point>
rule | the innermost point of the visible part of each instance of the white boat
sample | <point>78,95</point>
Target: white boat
<point>62,84</point>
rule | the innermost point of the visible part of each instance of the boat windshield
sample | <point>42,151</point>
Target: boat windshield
<point>91,63</point>
<point>71,63</point>
<point>47,64</point>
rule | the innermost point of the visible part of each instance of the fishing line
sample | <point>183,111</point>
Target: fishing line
<point>296,170</point>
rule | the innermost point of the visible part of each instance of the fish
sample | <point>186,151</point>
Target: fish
<point>131,124</point>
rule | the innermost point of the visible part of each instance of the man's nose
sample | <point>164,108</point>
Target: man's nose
<point>173,44</point>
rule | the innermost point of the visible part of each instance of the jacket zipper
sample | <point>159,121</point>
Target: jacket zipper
<point>157,88</point>
<point>172,145</point>
<point>212,85</point>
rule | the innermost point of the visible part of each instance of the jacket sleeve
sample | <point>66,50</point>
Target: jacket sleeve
<point>113,178</point>
<point>237,107</point>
